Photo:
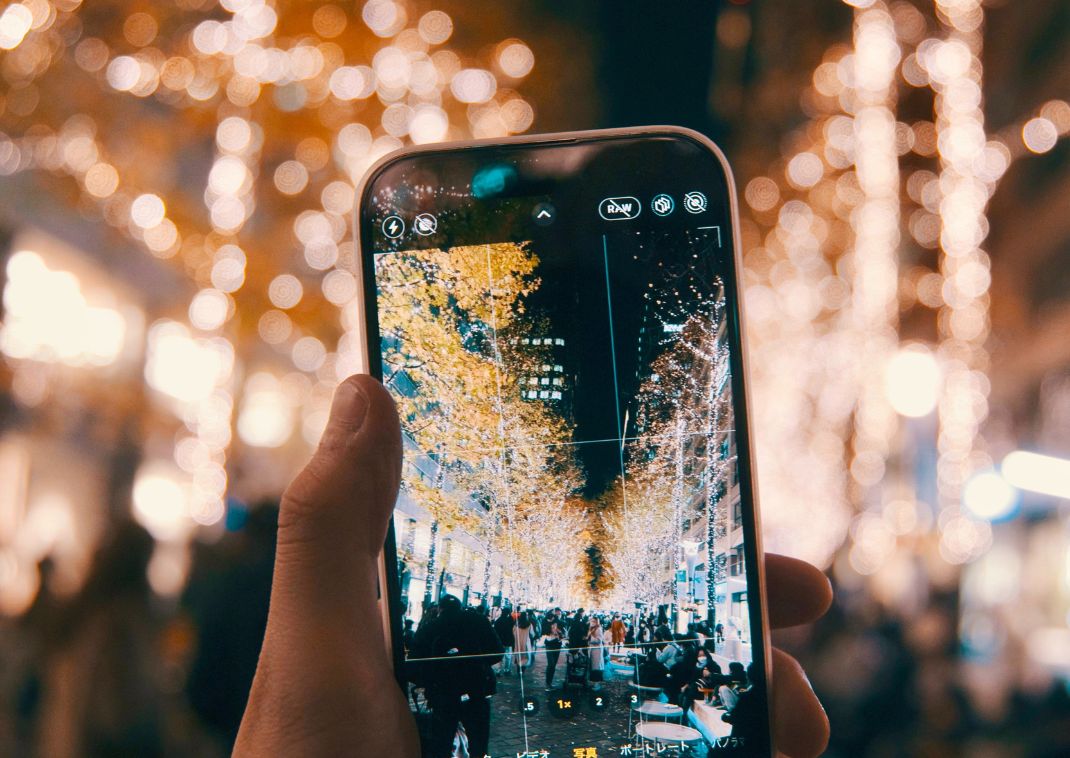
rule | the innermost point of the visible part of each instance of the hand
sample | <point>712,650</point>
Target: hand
<point>324,684</point>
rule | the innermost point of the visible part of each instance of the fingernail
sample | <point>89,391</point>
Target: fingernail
<point>350,405</point>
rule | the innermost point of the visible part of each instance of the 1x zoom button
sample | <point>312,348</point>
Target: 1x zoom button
<point>619,208</point>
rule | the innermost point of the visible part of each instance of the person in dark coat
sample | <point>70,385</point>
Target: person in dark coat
<point>748,716</point>
<point>459,648</point>
<point>503,627</point>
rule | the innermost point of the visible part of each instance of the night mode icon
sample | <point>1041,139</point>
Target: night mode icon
<point>425,224</point>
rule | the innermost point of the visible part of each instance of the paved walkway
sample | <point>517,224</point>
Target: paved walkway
<point>605,731</point>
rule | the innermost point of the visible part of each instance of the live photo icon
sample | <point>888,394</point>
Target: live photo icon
<point>662,204</point>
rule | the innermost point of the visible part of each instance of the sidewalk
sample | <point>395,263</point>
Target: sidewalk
<point>606,731</point>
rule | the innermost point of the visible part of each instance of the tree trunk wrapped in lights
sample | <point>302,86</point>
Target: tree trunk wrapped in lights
<point>677,464</point>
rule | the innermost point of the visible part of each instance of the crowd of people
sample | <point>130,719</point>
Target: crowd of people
<point>457,655</point>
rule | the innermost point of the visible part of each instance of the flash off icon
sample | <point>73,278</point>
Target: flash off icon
<point>662,204</point>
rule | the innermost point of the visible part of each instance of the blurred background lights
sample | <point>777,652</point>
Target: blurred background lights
<point>1039,134</point>
<point>274,327</point>
<point>912,381</point>
<point>761,194</point>
<point>435,27</point>
<point>161,501</point>
<point>989,497</point>
<point>291,177</point>
<point>308,353</point>
<point>15,22</point>
<point>804,170</point>
<point>515,59</point>
<point>266,416</point>
<point>428,123</point>
<point>1035,472</point>
<point>339,287</point>
<point>184,367</point>
<point>384,17</point>
<point>147,210</point>
<point>285,291</point>
<point>473,85</point>
<point>234,134</point>
<point>49,319</point>
<point>228,176</point>
<point>209,309</point>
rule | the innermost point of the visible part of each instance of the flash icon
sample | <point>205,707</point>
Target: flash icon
<point>393,227</point>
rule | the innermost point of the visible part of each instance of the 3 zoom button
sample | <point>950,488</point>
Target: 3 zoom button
<point>619,208</point>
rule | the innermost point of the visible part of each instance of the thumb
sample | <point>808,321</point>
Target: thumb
<point>323,683</point>
<point>334,515</point>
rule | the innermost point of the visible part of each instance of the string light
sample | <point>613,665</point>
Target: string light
<point>955,70</point>
<point>823,288</point>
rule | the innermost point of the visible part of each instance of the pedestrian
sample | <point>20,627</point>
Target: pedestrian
<point>459,647</point>
<point>503,627</point>
<point>616,632</point>
<point>408,636</point>
<point>596,640</point>
<point>522,641</point>
<point>577,631</point>
<point>555,640</point>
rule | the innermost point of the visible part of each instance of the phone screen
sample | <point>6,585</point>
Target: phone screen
<point>575,536</point>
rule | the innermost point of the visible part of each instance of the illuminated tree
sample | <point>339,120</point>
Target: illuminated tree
<point>451,323</point>
<point>225,139</point>
<point>679,465</point>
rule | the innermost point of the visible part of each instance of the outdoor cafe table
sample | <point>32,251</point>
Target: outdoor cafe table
<point>661,732</point>
<point>657,709</point>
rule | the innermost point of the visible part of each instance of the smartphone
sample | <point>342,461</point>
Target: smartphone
<point>574,566</point>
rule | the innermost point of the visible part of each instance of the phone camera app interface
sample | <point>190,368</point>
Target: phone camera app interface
<point>570,530</point>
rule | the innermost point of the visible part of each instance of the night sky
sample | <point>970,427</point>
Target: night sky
<point>573,298</point>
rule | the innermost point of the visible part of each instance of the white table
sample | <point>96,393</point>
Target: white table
<point>662,732</point>
<point>658,710</point>
<point>708,718</point>
<point>644,688</point>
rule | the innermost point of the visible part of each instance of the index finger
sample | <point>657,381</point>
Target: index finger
<point>797,592</point>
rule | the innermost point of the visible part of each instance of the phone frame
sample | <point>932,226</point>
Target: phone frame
<point>389,589</point>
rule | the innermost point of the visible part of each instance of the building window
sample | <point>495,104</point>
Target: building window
<point>735,561</point>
